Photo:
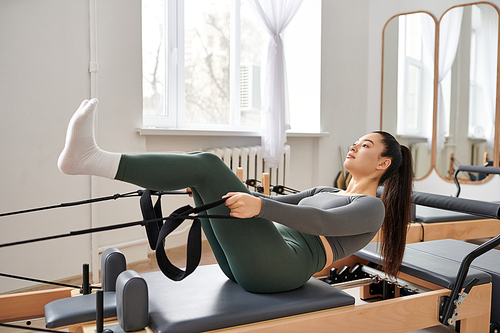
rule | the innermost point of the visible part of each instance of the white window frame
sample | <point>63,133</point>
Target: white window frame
<point>174,106</point>
<point>403,84</point>
<point>174,99</point>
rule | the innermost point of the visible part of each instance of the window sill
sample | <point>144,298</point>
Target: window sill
<point>218,132</point>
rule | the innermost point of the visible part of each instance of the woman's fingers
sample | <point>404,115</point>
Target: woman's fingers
<point>243,205</point>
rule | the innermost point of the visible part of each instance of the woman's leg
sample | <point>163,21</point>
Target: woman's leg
<point>217,250</point>
<point>255,253</point>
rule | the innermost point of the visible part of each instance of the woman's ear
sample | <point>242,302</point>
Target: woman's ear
<point>384,164</point>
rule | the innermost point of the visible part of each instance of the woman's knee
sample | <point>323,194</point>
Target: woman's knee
<point>270,283</point>
<point>260,277</point>
<point>209,158</point>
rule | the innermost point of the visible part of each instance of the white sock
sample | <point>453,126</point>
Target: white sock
<point>80,155</point>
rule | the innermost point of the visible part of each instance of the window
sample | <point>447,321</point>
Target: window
<point>482,64</point>
<point>202,58</point>
<point>476,130</point>
<point>410,71</point>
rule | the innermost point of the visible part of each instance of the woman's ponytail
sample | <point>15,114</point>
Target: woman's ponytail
<point>398,186</point>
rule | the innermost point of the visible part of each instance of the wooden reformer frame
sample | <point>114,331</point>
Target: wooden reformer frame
<point>400,314</point>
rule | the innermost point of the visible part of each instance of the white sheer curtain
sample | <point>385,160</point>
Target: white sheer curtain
<point>275,16</point>
<point>487,43</point>
<point>449,33</point>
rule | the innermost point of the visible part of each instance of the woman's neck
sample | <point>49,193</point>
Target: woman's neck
<point>365,187</point>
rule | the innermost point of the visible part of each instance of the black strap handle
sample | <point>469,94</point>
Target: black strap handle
<point>158,231</point>
<point>151,213</point>
<point>193,255</point>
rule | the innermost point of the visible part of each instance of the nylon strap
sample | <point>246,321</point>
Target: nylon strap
<point>157,233</point>
<point>151,213</point>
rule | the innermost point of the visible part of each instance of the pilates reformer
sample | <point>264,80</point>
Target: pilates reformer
<point>430,223</point>
<point>208,301</point>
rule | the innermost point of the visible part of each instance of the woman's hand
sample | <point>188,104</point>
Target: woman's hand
<point>243,205</point>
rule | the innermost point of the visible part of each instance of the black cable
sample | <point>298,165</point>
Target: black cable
<point>172,217</point>
<point>184,216</point>
<point>69,204</point>
<point>89,201</point>
<point>28,328</point>
<point>39,281</point>
<point>112,227</point>
<point>75,233</point>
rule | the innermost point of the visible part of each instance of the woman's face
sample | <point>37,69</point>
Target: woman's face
<point>364,157</point>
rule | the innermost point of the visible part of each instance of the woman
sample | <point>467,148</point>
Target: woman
<point>311,227</point>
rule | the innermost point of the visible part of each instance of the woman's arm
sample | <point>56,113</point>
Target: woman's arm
<point>354,215</point>
<point>294,199</point>
<point>243,205</point>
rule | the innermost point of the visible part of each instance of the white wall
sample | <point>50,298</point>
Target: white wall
<point>44,76</point>
<point>44,59</point>
<point>343,81</point>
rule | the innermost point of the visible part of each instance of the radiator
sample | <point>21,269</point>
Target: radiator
<point>479,153</point>
<point>421,158</point>
<point>253,165</point>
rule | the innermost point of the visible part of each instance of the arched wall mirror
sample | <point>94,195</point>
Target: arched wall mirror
<point>467,89</point>
<point>443,109</point>
<point>408,84</point>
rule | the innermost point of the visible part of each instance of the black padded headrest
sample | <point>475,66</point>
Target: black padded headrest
<point>468,206</point>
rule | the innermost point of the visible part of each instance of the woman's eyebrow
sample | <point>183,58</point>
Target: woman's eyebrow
<point>369,141</point>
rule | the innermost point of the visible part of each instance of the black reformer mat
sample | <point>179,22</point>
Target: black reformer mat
<point>79,309</point>
<point>436,215</point>
<point>207,300</point>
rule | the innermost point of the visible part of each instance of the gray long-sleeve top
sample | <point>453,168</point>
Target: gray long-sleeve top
<point>347,222</point>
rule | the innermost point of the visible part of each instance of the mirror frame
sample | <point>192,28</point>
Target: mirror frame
<point>434,103</point>
<point>496,146</point>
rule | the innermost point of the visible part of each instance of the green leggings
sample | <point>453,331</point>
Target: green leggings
<point>261,256</point>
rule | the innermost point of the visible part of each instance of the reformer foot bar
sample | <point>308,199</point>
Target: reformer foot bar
<point>206,300</point>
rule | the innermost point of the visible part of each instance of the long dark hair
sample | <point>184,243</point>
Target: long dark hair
<point>398,185</point>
